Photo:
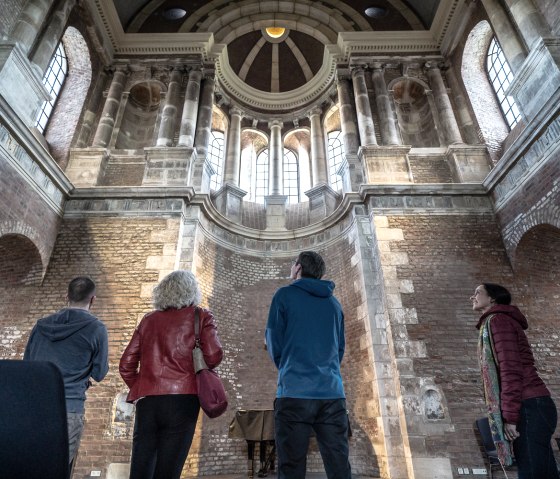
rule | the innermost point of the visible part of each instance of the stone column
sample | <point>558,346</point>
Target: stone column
<point>448,122</point>
<point>347,118</point>
<point>275,158</point>
<point>49,40</point>
<point>318,153</point>
<point>233,148</point>
<point>529,20</point>
<point>111,108</point>
<point>389,132</point>
<point>506,34</point>
<point>190,109</point>
<point>86,130</point>
<point>204,124</point>
<point>466,121</point>
<point>363,108</point>
<point>167,124</point>
<point>351,169</point>
<point>29,23</point>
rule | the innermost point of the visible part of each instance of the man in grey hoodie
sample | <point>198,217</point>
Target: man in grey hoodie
<point>77,343</point>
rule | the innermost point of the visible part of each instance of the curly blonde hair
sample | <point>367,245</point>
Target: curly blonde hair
<point>177,290</point>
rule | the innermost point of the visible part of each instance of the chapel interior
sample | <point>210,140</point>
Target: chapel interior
<point>415,144</point>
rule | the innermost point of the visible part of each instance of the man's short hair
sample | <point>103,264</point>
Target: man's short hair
<point>312,265</point>
<point>80,289</point>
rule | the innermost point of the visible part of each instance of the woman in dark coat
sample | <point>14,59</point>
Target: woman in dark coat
<point>512,385</point>
<point>158,368</point>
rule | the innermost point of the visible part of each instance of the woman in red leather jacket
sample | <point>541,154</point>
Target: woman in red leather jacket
<point>529,413</point>
<point>157,366</point>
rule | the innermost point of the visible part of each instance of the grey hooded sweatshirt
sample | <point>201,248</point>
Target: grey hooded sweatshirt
<point>77,343</point>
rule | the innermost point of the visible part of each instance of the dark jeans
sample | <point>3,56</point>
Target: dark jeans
<point>163,432</point>
<point>294,419</point>
<point>532,449</point>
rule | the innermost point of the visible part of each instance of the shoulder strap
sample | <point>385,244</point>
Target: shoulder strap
<point>196,325</point>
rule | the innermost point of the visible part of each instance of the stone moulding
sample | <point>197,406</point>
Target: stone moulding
<point>444,199</point>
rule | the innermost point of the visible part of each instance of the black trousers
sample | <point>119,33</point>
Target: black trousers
<point>293,421</point>
<point>163,432</point>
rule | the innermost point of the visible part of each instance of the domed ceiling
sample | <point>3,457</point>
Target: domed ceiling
<point>274,47</point>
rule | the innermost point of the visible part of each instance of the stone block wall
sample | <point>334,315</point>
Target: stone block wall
<point>446,257</point>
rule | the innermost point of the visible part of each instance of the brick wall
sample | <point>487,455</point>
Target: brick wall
<point>114,252</point>
<point>448,257</point>
<point>9,15</point>
<point>64,119</point>
<point>23,211</point>
<point>238,289</point>
<point>430,169</point>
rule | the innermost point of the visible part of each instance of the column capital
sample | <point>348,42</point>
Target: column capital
<point>433,65</point>
<point>378,67</point>
<point>358,69</point>
<point>275,122</point>
<point>316,110</point>
<point>234,110</point>
<point>114,68</point>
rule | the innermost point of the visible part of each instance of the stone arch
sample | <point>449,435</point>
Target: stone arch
<point>21,272</point>
<point>492,125</point>
<point>140,115</point>
<point>537,280</point>
<point>299,141</point>
<point>64,119</point>
<point>253,141</point>
<point>19,229</point>
<point>414,112</point>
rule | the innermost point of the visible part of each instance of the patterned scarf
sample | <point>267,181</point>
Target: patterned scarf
<point>491,383</point>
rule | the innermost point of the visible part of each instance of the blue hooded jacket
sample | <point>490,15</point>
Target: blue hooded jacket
<point>305,339</point>
<point>76,342</point>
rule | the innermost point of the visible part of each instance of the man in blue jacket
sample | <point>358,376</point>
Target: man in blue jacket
<point>305,339</point>
<point>76,342</point>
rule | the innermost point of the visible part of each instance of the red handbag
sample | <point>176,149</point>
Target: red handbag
<point>211,392</point>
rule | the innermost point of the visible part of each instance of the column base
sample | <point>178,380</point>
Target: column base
<point>86,167</point>
<point>469,164</point>
<point>323,200</point>
<point>167,166</point>
<point>20,84</point>
<point>276,212</point>
<point>386,164</point>
<point>229,202</point>
<point>539,78</point>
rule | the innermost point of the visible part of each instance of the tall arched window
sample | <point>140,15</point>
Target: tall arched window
<point>261,177</point>
<point>291,176</point>
<point>53,80</point>
<point>501,76</point>
<point>216,158</point>
<point>335,154</point>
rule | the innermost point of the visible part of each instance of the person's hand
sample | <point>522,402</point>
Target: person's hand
<point>510,431</point>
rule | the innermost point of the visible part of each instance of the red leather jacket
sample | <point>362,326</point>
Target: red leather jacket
<point>519,379</point>
<point>158,359</point>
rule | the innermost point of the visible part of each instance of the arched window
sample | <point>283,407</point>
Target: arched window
<point>335,156</point>
<point>216,157</point>
<point>261,177</point>
<point>53,80</point>
<point>501,76</point>
<point>291,176</point>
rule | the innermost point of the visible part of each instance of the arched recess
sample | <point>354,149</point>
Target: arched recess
<point>299,141</point>
<point>64,119</point>
<point>414,113</point>
<point>139,119</point>
<point>493,128</point>
<point>21,271</point>
<point>252,143</point>
<point>537,274</point>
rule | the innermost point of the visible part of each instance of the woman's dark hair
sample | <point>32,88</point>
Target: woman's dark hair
<point>312,265</point>
<point>498,293</point>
